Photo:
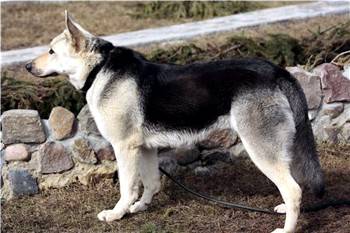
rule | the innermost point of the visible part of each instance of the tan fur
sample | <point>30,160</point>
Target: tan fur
<point>271,159</point>
<point>71,55</point>
<point>118,121</point>
<point>42,60</point>
<point>119,118</point>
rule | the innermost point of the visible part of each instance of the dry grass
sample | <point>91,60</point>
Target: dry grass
<point>31,24</point>
<point>281,49</point>
<point>27,24</point>
<point>201,9</point>
<point>298,29</point>
<point>74,209</point>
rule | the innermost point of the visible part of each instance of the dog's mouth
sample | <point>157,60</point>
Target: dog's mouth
<point>47,75</point>
<point>37,72</point>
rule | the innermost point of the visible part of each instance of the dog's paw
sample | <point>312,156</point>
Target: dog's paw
<point>281,208</point>
<point>110,215</point>
<point>137,207</point>
<point>279,230</point>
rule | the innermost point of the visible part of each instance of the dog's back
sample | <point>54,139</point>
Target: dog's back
<point>193,96</point>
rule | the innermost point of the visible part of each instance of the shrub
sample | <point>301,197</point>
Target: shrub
<point>324,46</point>
<point>278,48</point>
<point>281,49</point>
<point>50,93</point>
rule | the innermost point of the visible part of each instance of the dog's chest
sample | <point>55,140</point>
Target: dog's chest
<point>116,112</point>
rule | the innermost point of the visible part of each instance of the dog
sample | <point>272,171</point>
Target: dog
<point>139,106</point>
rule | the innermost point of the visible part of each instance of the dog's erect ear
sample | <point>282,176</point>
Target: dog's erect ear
<point>77,35</point>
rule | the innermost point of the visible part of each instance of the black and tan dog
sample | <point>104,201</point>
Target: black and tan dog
<point>139,106</point>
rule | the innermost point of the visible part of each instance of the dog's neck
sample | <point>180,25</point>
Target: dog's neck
<point>92,75</point>
<point>105,50</point>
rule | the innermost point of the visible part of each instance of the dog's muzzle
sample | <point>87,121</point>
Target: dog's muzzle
<point>29,66</point>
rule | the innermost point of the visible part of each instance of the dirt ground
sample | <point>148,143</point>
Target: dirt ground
<point>74,209</point>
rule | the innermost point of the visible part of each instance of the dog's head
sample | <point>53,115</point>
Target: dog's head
<point>75,52</point>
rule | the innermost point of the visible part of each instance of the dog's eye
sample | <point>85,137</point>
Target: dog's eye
<point>51,51</point>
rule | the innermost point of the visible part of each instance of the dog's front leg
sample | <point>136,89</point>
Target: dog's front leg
<point>128,171</point>
<point>149,174</point>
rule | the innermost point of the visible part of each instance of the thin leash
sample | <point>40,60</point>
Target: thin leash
<point>317,207</point>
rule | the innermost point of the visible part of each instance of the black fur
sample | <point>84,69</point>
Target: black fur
<point>104,48</point>
<point>305,165</point>
<point>191,97</point>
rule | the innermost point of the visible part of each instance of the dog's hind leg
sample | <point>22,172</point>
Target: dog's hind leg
<point>280,175</point>
<point>128,158</point>
<point>281,208</point>
<point>266,127</point>
<point>149,174</point>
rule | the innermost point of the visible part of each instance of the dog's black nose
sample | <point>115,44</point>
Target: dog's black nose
<point>29,66</point>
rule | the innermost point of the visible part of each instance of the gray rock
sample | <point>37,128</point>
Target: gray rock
<point>22,183</point>
<point>346,72</point>
<point>47,129</point>
<point>202,171</point>
<point>106,153</point>
<point>22,126</point>
<point>86,122</point>
<point>82,172</point>
<point>332,133</point>
<point>333,110</point>
<point>54,158</point>
<point>335,86</point>
<point>318,127</point>
<point>327,129</point>
<point>97,142</point>
<point>312,114</point>
<point>83,151</point>
<point>345,133</point>
<point>61,121</point>
<point>238,151</point>
<point>219,139</point>
<point>186,156</point>
<point>344,117</point>
<point>210,157</point>
<point>193,165</point>
<point>2,145</point>
<point>16,152</point>
<point>310,84</point>
<point>169,164</point>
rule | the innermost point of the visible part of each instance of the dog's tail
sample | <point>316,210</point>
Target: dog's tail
<point>305,166</point>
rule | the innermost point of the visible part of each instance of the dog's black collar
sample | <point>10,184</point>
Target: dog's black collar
<point>91,77</point>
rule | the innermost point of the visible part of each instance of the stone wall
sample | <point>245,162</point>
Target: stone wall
<point>327,91</point>
<point>37,154</point>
